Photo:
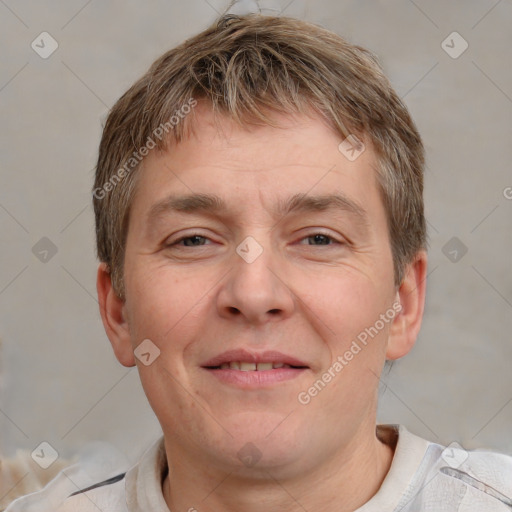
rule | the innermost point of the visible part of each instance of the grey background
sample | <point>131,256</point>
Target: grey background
<point>60,380</point>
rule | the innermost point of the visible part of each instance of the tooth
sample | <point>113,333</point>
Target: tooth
<point>247,367</point>
<point>286,366</point>
<point>278,365</point>
<point>224,366</point>
<point>264,366</point>
<point>234,365</point>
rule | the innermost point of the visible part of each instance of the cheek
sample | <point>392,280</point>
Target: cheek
<point>346,310</point>
<point>346,300</point>
<point>167,305</point>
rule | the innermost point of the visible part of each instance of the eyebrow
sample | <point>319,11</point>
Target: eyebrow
<point>298,203</point>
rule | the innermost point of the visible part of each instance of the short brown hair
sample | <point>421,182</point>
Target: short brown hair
<point>247,67</point>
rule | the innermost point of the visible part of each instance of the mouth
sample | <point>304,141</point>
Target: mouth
<point>247,366</point>
<point>245,369</point>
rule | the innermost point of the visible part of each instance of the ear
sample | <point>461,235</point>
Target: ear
<point>114,321</point>
<point>411,294</point>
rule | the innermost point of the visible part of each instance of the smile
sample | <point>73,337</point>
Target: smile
<point>251,367</point>
<point>251,370</point>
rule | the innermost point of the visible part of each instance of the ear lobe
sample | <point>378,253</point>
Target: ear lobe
<point>411,294</point>
<point>112,315</point>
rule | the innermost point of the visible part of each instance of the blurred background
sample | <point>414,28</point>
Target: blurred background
<point>65,63</point>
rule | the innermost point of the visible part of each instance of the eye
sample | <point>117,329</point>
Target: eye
<point>320,239</point>
<point>195,241</point>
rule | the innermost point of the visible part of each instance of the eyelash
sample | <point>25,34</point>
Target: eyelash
<point>176,242</point>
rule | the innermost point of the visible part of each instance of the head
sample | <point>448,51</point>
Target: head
<point>236,133</point>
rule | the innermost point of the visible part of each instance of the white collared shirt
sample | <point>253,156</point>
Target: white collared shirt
<point>423,476</point>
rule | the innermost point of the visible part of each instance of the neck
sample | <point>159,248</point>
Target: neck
<point>346,481</point>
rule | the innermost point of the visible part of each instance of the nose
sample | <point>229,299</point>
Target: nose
<point>256,290</point>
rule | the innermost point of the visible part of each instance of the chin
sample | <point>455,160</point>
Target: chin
<point>263,442</point>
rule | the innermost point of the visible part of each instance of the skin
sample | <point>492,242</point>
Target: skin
<point>305,296</point>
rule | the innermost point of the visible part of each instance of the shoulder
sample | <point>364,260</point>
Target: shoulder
<point>482,479</point>
<point>55,497</point>
<point>426,475</point>
<point>75,489</point>
<point>106,495</point>
<point>490,465</point>
<point>490,468</point>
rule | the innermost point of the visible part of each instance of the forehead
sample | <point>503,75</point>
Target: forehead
<point>274,166</point>
<point>292,138</point>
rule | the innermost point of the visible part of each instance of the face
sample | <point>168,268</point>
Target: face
<point>255,262</point>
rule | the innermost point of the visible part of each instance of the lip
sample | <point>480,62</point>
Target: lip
<point>254,379</point>
<point>269,356</point>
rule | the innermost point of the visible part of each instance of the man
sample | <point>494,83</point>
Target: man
<point>260,227</point>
